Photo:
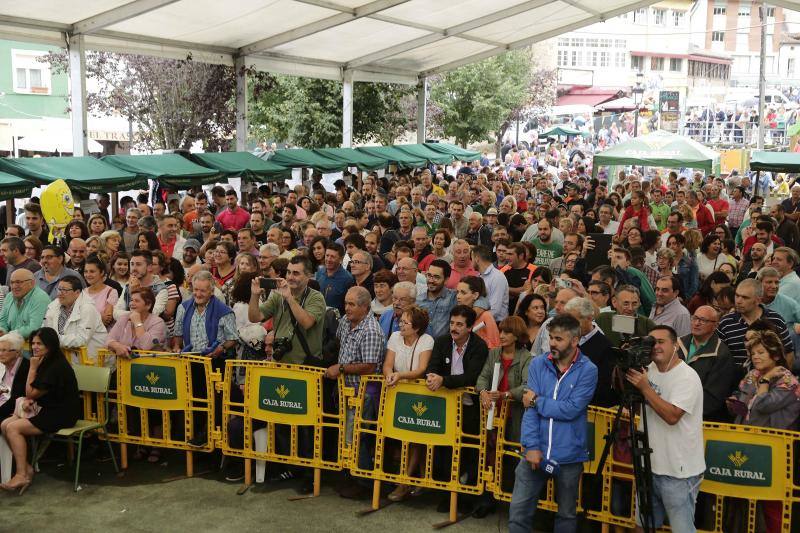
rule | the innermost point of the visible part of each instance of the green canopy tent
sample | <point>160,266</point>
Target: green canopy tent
<point>171,170</point>
<point>658,149</point>
<point>83,174</point>
<point>12,187</point>
<point>394,156</point>
<point>423,152</point>
<point>305,158</point>
<point>762,161</point>
<point>456,151</point>
<point>566,131</point>
<point>243,164</point>
<point>354,158</point>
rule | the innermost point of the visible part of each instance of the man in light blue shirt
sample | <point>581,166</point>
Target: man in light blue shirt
<point>496,283</point>
<point>438,300</point>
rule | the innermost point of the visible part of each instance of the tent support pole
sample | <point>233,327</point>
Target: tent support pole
<point>77,97</point>
<point>755,188</point>
<point>347,109</point>
<point>241,104</point>
<point>422,108</point>
<point>114,205</point>
<point>10,212</point>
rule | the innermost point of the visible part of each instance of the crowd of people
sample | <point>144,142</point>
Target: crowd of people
<point>436,274</point>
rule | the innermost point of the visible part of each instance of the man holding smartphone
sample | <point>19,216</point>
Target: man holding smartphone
<point>297,311</point>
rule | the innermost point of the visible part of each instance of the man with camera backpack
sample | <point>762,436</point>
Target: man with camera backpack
<point>674,404</point>
<point>297,313</point>
<point>560,386</point>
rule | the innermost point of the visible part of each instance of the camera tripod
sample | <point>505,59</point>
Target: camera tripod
<point>640,448</point>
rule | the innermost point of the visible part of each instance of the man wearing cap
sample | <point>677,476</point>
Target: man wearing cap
<point>190,250</point>
<point>490,219</point>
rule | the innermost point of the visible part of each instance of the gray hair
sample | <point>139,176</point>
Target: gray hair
<point>767,272</point>
<point>14,340</point>
<point>203,275</point>
<point>270,248</point>
<point>134,211</point>
<point>363,297</point>
<point>758,289</point>
<point>669,253</point>
<point>409,288</point>
<point>582,306</point>
<point>366,257</point>
<point>630,288</point>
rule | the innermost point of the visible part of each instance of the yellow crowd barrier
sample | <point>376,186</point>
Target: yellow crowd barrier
<point>286,414</point>
<point>418,429</point>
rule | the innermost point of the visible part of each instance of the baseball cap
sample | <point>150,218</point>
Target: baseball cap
<point>192,243</point>
<point>492,211</point>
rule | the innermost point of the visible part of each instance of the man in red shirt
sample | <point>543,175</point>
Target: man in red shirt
<point>234,217</point>
<point>720,206</point>
<point>169,236</point>
<point>462,263</point>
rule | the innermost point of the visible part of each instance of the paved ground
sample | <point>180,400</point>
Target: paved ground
<point>141,502</point>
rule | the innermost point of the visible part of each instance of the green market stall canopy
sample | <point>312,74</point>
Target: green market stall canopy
<point>86,174</point>
<point>172,170</point>
<point>775,161</point>
<point>242,164</point>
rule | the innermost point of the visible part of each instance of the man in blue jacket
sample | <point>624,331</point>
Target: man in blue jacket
<point>560,386</point>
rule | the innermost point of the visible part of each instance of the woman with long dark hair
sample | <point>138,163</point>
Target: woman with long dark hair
<point>51,403</point>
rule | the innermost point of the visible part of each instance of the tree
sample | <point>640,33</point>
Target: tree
<point>541,95</point>
<point>308,112</point>
<point>173,102</point>
<point>476,99</point>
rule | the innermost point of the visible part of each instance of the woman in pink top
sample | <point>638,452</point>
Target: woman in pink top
<point>103,296</point>
<point>469,289</point>
<point>139,329</point>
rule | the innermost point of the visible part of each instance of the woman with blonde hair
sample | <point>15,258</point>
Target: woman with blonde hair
<point>112,241</point>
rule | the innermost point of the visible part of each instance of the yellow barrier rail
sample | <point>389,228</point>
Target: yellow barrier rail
<point>286,414</point>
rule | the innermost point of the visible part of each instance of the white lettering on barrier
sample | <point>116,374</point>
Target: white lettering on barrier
<point>419,421</point>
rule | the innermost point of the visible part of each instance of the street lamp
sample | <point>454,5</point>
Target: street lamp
<point>638,92</point>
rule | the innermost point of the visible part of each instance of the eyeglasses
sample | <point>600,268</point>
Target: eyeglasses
<point>703,320</point>
<point>594,293</point>
<point>65,289</point>
<point>357,262</point>
<point>404,323</point>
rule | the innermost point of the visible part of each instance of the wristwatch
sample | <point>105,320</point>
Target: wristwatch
<point>763,381</point>
<point>341,369</point>
<point>139,325</point>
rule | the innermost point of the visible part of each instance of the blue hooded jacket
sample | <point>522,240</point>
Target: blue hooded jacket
<point>556,426</point>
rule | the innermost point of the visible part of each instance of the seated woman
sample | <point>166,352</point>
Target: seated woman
<point>407,355</point>
<point>468,290</point>
<point>768,396</point>
<point>140,329</point>
<point>51,403</point>
<point>514,359</point>
<point>13,372</point>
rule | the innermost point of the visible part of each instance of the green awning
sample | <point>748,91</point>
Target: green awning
<point>244,165</point>
<point>558,131</point>
<point>775,161</point>
<point>354,158</point>
<point>456,151</point>
<point>423,152</point>
<point>393,155</point>
<point>304,158</point>
<point>171,170</point>
<point>83,173</point>
<point>12,187</point>
<point>658,149</point>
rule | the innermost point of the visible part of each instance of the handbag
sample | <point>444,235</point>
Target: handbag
<point>19,412</point>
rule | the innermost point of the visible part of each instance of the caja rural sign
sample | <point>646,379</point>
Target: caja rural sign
<point>282,395</point>
<point>410,412</point>
<point>153,383</point>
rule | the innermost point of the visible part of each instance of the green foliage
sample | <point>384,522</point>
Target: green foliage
<point>476,99</point>
<point>308,112</point>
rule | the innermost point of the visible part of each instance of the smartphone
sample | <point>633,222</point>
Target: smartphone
<point>269,283</point>
<point>737,407</point>
<point>563,283</point>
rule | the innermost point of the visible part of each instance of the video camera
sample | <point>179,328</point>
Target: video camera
<point>636,353</point>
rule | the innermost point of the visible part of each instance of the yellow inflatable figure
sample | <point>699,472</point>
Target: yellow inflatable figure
<point>57,205</point>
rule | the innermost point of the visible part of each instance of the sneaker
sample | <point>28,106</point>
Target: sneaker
<point>285,475</point>
<point>400,493</point>
<point>198,441</point>
<point>235,471</point>
<point>353,491</point>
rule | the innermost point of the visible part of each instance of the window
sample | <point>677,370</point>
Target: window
<point>606,43</point>
<point>576,58</point>
<point>563,57</point>
<point>659,16</point>
<point>677,18</point>
<point>742,42</point>
<point>640,16</point>
<point>744,11</point>
<point>563,41</point>
<point>637,63</point>
<point>30,75</point>
<point>591,43</point>
<point>656,63</point>
<point>604,59</point>
<point>675,64</point>
<point>770,12</point>
<point>619,60</point>
<point>719,10</point>
<point>577,42</point>
<point>593,58</point>
<point>717,36</point>
<point>620,43</point>
<point>790,67</point>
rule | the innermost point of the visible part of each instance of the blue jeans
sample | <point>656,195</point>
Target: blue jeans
<point>674,498</point>
<point>529,483</point>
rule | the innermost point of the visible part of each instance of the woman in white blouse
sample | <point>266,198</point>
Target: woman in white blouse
<point>407,355</point>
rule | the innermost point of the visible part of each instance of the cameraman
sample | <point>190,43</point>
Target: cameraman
<point>674,403</point>
<point>297,311</point>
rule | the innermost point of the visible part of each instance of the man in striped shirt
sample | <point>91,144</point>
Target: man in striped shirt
<point>748,309</point>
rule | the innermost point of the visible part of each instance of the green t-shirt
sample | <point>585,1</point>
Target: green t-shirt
<point>660,213</point>
<point>278,309</point>
<point>546,252</point>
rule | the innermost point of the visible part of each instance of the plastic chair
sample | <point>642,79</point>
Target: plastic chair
<point>6,461</point>
<point>90,379</point>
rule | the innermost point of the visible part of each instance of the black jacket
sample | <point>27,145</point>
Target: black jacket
<point>475,356</point>
<point>17,389</point>
<point>718,373</point>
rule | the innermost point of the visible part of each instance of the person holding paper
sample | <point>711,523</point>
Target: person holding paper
<point>508,386</point>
